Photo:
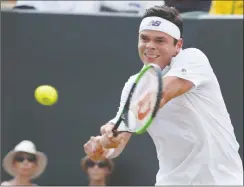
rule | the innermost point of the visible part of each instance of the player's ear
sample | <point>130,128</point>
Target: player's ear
<point>179,45</point>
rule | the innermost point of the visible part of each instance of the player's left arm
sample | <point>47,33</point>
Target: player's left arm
<point>174,87</point>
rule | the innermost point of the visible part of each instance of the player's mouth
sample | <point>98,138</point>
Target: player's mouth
<point>151,55</point>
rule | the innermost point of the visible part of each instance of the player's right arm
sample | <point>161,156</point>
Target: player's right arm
<point>114,145</point>
<point>95,147</point>
<point>106,145</point>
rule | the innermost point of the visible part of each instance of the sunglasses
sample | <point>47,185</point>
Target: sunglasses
<point>21,158</point>
<point>90,163</point>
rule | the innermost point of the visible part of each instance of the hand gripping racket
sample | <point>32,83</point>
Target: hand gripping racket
<point>143,101</point>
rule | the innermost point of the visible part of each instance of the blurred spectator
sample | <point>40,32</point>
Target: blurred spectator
<point>227,7</point>
<point>136,7</point>
<point>190,5</point>
<point>24,163</point>
<point>98,172</point>
<point>61,6</point>
<point>7,4</point>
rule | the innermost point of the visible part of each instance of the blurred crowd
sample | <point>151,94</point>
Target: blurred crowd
<point>128,7</point>
<point>25,163</point>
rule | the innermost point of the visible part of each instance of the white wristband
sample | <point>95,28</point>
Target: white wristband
<point>110,153</point>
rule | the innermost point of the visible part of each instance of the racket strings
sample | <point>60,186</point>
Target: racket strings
<point>143,101</point>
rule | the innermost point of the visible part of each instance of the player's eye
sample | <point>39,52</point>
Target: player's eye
<point>160,41</point>
<point>143,38</point>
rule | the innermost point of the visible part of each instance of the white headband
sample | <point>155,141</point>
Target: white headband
<point>160,24</point>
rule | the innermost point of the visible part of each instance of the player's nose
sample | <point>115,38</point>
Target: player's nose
<point>150,45</point>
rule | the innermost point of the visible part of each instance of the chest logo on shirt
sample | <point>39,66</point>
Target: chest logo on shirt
<point>144,107</point>
<point>183,70</point>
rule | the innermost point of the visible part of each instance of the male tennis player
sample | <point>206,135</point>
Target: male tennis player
<point>193,134</point>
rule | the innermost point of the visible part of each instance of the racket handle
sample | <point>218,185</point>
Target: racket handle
<point>116,126</point>
<point>115,132</point>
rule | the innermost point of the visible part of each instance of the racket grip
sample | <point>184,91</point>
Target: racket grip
<point>115,132</point>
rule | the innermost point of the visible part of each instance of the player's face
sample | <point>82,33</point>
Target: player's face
<point>157,47</point>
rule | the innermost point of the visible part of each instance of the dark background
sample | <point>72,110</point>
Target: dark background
<point>88,59</point>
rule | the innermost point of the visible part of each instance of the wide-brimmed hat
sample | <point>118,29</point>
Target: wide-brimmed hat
<point>27,147</point>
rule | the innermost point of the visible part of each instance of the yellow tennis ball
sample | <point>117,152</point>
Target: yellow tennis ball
<point>46,95</point>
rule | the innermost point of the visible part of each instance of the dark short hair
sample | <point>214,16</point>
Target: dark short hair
<point>169,13</point>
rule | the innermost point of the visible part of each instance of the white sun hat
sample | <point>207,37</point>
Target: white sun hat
<point>27,147</point>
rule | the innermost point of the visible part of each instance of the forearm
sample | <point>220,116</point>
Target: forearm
<point>115,152</point>
<point>174,87</point>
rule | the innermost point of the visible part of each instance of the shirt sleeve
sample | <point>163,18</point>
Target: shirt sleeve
<point>123,98</point>
<point>192,65</point>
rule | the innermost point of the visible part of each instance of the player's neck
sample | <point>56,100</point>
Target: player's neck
<point>97,183</point>
<point>166,64</point>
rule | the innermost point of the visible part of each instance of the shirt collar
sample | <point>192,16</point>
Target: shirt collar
<point>167,68</point>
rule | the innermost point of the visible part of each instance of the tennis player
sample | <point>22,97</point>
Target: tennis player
<point>192,131</point>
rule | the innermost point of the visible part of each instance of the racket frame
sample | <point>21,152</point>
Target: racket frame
<point>126,106</point>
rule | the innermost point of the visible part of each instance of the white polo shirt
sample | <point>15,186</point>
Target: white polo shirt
<point>193,134</point>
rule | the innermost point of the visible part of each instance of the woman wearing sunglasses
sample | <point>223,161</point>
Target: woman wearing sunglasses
<point>98,172</point>
<point>24,164</point>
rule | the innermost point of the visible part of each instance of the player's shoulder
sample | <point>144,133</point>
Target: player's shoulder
<point>192,50</point>
<point>193,53</point>
<point>191,56</point>
<point>132,79</point>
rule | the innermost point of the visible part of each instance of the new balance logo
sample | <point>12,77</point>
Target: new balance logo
<point>154,23</point>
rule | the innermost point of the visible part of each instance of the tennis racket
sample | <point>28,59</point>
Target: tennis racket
<point>143,101</point>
